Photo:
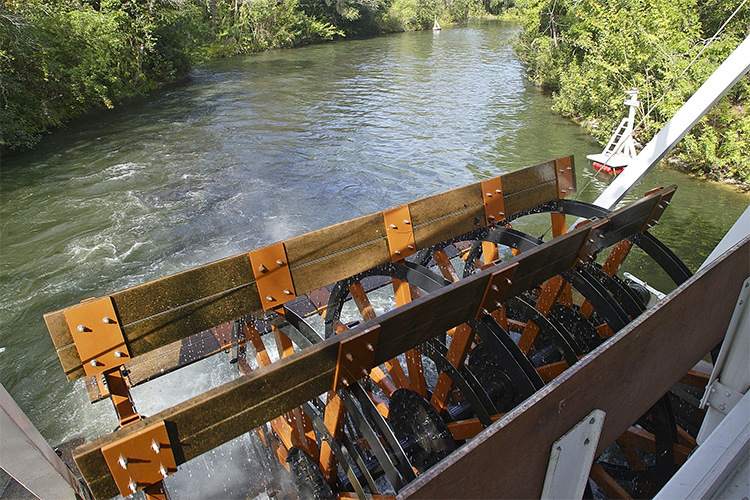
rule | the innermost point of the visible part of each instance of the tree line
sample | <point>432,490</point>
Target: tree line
<point>62,58</point>
<point>587,52</point>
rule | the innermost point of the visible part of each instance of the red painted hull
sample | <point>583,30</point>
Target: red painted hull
<point>603,167</point>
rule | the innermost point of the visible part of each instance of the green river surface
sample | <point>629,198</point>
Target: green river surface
<point>255,149</point>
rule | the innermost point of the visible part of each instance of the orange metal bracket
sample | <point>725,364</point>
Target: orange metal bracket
<point>98,336</point>
<point>356,357</point>
<point>494,202</point>
<point>272,275</point>
<point>566,180</point>
<point>400,233</point>
<point>497,289</point>
<point>141,459</point>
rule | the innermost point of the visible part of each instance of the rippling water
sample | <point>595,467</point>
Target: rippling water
<point>256,149</point>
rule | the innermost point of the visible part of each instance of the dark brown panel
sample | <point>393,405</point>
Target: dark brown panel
<point>623,377</point>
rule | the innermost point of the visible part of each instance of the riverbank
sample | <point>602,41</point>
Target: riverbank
<point>64,58</point>
<point>588,54</point>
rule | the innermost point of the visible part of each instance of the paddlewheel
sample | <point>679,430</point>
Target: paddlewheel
<point>379,353</point>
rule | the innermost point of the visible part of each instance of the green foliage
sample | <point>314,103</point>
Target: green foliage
<point>405,15</point>
<point>266,24</point>
<point>589,51</point>
<point>61,58</point>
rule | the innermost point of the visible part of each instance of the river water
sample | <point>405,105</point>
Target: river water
<point>255,149</point>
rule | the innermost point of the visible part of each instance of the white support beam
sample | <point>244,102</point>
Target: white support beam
<point>571,458</point>
<point>730,378</point>
<point>26,456</point>
<point>716,462</point>
<point>717,85</point>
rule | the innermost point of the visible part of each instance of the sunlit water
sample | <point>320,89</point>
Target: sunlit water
<point>255,149</point>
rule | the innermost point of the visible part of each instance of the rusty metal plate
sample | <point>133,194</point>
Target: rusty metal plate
<point>272,275</point>
<point>494,201</point>
<point>141,459</point>
<point>566,179</point>
<point>497,290</point>
<point>356,357</point>
<point>400,233</point>
<point>98,336</point>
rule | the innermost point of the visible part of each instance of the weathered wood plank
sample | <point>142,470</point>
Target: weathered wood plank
<point>337,266</point>
<point>208,420</point>
<point>169,309</point>
<point>624,377</point>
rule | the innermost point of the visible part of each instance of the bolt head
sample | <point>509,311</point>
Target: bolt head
<point>108,321</point>
<point>155,446</point>
<point>494,288</point>
<point>349,356</point>
<point>287,291</point>
<point>163,471</point>
<point>280,262</point>
<point>498,191</point>
<point>370,347</point>
<point>119,354</point>
<point>81,328</point>
<point>94,363</point>
<point>489,195</point>
<point>262,268</point>
<point>123,462</point>
<point>407,221</point>
<point>133,486</point>
<point>270,298</point>
<point>393,226</point>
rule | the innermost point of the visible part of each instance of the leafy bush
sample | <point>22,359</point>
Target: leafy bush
<point>588,53</point>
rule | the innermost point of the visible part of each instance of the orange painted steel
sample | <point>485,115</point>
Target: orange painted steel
<point>119,393</point>
<point>445,266</point>
<point>463,336</point>
<point>140,459</point>
<point>494,201</point>
<point>417,383</point>
<point>610,487</point>
<point>400,232</point>
<point>98,337</point>
<point>272,275</point>
<point>552,370</point>
<point>367,312</point>
<point>467,429</point>
<point>356,357</point>
<point>334,418</point>
<point>551,290</point>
